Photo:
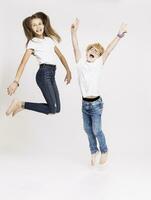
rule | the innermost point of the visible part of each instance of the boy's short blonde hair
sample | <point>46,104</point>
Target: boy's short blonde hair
<point>97,46</point>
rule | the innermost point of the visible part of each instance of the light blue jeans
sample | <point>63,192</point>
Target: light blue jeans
<point>92,112</point>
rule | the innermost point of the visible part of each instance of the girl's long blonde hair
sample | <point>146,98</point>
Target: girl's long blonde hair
<point>48,30</point>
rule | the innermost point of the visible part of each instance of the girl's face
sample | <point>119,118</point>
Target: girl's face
<point>92,54</point>
<point>37,27</point>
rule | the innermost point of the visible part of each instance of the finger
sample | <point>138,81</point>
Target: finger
<point>68,80</point>
<point>77,20</point>
<point>126,27</point>
<point>9,91</point>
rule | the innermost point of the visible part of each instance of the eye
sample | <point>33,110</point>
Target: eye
<point>40,23</point>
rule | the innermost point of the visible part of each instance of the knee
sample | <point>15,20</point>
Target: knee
<point>96,131</point>
<point>58,110</point>
<point>51,110</point>
<point>87,129</point>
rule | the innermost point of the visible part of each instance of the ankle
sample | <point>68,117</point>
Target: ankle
<point>22,105</point>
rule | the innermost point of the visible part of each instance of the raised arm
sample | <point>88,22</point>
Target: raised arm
<point>14,85</point>
<point>75,44</point>
<point>114,42</point>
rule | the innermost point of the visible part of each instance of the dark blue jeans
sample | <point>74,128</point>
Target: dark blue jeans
<point>92,112</point>
<point>45,79</point>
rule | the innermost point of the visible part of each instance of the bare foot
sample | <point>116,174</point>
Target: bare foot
<point>16,111</point>
<point>103,158</point>
<point>14,107</point>
<point>94,158</point>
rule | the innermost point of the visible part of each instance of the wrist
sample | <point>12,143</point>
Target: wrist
<point>16,82</point>
<point>121,35</point>
<point>73,31</point>
<point>68,71</point>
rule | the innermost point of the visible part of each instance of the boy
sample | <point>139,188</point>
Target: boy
<point>89,71</point>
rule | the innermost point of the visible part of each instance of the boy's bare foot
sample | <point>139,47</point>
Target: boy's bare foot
<point>103,158</point>
<point>94,158</point>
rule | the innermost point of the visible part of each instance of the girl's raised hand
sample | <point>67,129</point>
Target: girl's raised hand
<point>75,25</point>
<point>12,88</point>
<point>123,29</point>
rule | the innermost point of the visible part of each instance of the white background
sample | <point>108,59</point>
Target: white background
<point>47,157</point>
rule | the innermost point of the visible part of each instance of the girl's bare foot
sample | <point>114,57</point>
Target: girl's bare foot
<point>15,107</point>
<point>16,111</point>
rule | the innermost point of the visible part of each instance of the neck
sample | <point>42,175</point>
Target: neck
<point>40,36</point>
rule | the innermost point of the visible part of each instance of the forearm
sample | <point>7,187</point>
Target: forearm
<point>74,40</point>
<point>75,46</point>
<point>114,42</point>
<point>19,72</point>
<point>65,64</point>
<point>23,62</point>
<point>112,45</point>
<point>109,48</point>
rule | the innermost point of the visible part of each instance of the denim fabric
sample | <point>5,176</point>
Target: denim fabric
<point>45,79</point>
<point>92,112</point>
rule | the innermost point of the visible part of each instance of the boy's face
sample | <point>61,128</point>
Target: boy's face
<point>92,54</point>
<point>37,27</point>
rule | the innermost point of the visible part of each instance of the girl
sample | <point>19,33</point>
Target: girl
<point>89,71</point>
<point>41,39</point>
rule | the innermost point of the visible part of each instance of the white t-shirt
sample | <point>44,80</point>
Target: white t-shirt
<point>89,74</point>
<point>43,50</point>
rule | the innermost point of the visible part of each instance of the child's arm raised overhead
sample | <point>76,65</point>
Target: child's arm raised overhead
<point>75,45</point>
<point>114,42</point>
<point>14,85</point>
<point>65,64</point>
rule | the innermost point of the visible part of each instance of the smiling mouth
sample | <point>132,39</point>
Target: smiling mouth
<point>39,31</point>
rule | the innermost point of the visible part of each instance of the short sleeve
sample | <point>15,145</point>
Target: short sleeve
<point>30,45</point>
<point>52,42</point>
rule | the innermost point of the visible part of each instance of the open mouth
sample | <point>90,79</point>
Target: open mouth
<point>39,31</point>
<point>91,55</point>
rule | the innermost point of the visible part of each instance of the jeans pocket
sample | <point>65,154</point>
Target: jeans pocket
<point>98,108</point>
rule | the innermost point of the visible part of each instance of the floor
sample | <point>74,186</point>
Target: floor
<point>65,176</point>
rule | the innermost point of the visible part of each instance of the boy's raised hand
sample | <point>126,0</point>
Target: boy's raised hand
<point>75,25</point>
<point>123,29</point>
